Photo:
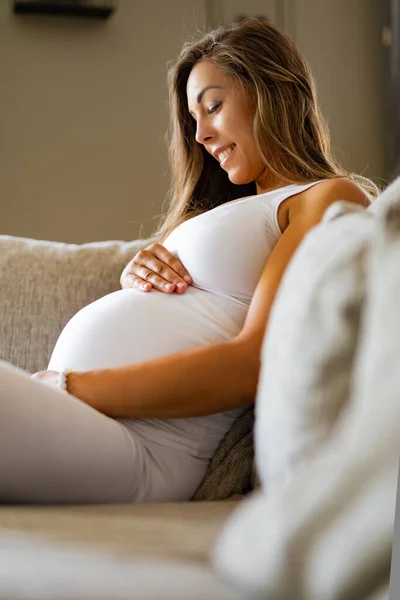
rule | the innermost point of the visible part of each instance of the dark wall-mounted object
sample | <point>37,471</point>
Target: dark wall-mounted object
<point>90,9</point>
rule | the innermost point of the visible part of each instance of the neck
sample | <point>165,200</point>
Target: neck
<point>268,183</point>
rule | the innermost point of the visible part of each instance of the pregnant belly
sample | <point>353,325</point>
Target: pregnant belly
<point>129,326</point>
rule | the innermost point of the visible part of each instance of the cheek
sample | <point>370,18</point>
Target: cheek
<point>245,139</point>
<point>249,153</point>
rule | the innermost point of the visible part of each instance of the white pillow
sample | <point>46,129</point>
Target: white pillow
<point>327,532</point>
<point>308,351</point>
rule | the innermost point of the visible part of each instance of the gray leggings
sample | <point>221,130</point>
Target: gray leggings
<point>55,449</point>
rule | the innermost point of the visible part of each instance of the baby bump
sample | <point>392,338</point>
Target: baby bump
<point>130,326</point>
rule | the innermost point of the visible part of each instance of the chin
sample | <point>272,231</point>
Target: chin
<point>240,180</point>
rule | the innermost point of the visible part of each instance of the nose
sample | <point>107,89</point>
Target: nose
<point>204,132</point>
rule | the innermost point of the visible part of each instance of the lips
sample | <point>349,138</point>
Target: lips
<point>218,151</point>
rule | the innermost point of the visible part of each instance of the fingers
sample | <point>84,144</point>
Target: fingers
<point>174,271</point>
<point>128,280</point>
<point>156,267</point>
<point>159,278</point>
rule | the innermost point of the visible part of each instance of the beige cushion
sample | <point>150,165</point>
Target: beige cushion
<point>308,352</point>
<point>124,552</point>
<point>169,532</point>
<point>43,284</point>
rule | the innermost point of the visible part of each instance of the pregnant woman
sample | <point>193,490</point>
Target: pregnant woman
<point>141,387</point>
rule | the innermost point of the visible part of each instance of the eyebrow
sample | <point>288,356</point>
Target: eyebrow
<point>204,90</point>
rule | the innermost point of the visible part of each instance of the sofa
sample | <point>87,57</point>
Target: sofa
<point>299,499</point>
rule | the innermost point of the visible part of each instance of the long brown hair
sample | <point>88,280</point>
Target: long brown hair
<point>289,129</point>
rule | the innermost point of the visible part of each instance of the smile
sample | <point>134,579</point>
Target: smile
<point>225,154</point>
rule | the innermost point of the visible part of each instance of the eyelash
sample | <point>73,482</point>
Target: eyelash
<point>214,108</point>
<point>211,110</point>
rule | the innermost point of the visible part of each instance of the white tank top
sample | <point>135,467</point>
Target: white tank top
<point>224,250</point>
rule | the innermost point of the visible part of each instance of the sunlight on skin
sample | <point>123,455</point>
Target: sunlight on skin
<point>224,117</point>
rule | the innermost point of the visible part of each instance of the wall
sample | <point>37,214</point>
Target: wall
<point>83,115</point>
<point>342,41</point>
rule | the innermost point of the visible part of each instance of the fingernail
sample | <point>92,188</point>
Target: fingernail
<point>169,286</point>
<point>187,278</point>
<point>181,285</point>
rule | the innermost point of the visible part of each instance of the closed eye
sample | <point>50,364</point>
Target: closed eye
<point>214,108</point>
<point>209,111</point>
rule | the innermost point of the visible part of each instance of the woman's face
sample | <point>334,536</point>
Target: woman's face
<point>224,121</point>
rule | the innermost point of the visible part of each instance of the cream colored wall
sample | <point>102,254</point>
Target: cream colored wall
<point>83,114</point>
<point>342,40</point>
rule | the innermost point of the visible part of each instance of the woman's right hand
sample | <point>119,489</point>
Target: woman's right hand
<point>155,267</point>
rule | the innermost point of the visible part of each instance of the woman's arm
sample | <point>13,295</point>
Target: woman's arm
<point>217,377</point>
<point>196,382</point>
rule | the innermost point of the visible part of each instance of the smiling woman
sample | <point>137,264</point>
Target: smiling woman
<point>155,381</point>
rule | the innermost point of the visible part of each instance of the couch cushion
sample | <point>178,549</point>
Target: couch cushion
<point>43,284</point>
<point>169,532</point>
<point>311,339</point>
<point>154,551</point>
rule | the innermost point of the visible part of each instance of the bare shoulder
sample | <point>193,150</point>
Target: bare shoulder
<point>307,213</point>
<point>316,199</point>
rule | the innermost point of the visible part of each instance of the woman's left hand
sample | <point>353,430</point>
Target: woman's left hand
<point>49,378</point>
